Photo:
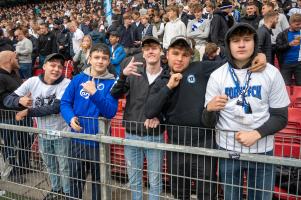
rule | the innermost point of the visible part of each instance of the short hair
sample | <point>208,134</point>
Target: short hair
<point>209,4</point>
<point>136,13</point>
<point>197,8</point>
<point>145,17</point>
<point>127,16</point>
<point>211,48</point>
<point>250,4</point>
<point>44,24</point>
<point>100,48</point>
<point>270,4</point>
<point>295,18</point>
<point>173,8</point>
<point>270,15</point>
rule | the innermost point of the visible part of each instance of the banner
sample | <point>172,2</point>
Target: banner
<point>108,9</point>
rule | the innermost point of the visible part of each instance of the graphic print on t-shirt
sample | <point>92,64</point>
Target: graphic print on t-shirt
<point>43,101</point>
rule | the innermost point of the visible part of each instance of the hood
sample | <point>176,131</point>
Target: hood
<point>227,48</point>
<point>106,75</point>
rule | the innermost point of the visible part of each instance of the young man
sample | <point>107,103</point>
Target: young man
<point>117,51</point>
<point>136,80</point>
<point>45,92</point>
<point>199,29</point>
<point>77,37</point>
<point>174,27</point>
<point>264,34</point>
<point>86,98</point>
<point>288,46</point>
<point>179,97</point>
<point>251,16</point>
<point>247,109</point>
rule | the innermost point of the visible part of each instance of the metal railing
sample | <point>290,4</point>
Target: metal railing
<point>111,163</point>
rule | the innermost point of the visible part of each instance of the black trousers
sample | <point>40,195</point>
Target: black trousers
<point>288,70</point>
<point>192,172</point>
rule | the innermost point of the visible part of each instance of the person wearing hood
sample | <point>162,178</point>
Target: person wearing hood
<point>39,97</point>
<point>221,22</point>
<point>87,98</point>
<point>247,109</point>
<point>252,15</point>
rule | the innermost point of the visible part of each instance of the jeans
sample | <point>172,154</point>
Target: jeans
<point>25,70</point>
<point>288,70</point>
<point>260,176</point>
<point>134,157</point>
<point>54,154</point>
<point>84,159</point>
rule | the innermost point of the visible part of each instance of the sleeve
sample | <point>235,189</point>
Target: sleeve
<point>284,22</point>
<point>76,57</point>
<point>156,99</point>
<point>106,103</point>
<point>27,50</point>
<point>45,110</point>
<point>165,41</point>
<point>155,31</point>
<point>119,56</point>
<point>161,30</point>
<point>214,30</point>
<point>281,43</point>
<point>24,89</point>
<point>120,87</point>
<point>67,102</point>
<point>183,29</point>
<point>210,119</point>
<point>260,40</point>
<point>12,101</point>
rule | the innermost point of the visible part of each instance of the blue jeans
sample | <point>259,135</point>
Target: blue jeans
<point>54,154</point>
<point>25,70</point>
<point>134,157</point>
<point>84,160</point>
<point>260,176</point>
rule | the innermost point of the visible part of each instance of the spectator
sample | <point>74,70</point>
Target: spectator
<point>288,47</point>
<point>18,160</point>
<point>247,120</point>
<point>137,27</point>
<point>264,34</point>
<point>135,82</point>
<point>117,51</point>
<point>24,50</point>
<point>127,33</point>
<point>86,98</point>
<point>148,29</point>
<point>96,36</point>
<point>45,93</point>
<point>295,10</point>
<point>211,53</point>
<point>81,58</point>
<point>158,25</point>
<point>85,26</point>
<point>174,27</point>
<point>221,23</point>
<point>46,43</point>
<point>252,16</point>
<point>4,43</point>
<point>198,29</point>
<point>76,38</point>
<point>208,10</point>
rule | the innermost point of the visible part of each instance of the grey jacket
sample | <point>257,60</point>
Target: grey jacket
<point>24,51</point>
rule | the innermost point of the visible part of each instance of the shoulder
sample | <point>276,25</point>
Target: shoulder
<point>221,70</point>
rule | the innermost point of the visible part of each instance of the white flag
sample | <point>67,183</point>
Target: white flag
<point>108,8</point>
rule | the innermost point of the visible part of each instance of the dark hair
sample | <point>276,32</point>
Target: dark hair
<point>241,31</point>
<point>100,48</point>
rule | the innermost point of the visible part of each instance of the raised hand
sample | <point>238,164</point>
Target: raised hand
<point>174,80</point>
<point>26,101</point>
<point>132,68</point>
<point>217,103</point>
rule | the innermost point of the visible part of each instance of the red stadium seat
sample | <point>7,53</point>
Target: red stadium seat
<point>296,96</point>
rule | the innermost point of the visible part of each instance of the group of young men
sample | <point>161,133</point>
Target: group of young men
<point>243,97</point>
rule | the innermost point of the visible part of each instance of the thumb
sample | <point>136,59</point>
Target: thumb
<point>133,59</point>
<point>237,135</point>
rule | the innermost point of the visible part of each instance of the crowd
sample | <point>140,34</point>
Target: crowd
<point>207,64</point>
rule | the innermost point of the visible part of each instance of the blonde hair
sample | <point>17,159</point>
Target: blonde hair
<point>85,49</point>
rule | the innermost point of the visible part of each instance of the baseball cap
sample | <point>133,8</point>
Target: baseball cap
<point>150,39</point>
<point>55,56</point>
<point>181,38</point>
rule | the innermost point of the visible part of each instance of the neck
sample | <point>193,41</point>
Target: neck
<point>97,74</point>
<point>172,18</point>
<point>48,81</point>
<point>268,25</point>
<point>240,63</point>
<point>6,68</point>
<point>153,68</point>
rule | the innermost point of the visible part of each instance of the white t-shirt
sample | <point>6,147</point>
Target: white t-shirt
<point>152,77</point>
<point>77,40</point>
<point>267,90</point>
<point>43,94</point>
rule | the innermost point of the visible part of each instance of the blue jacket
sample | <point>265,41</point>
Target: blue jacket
<point>77,102</point>
<point>117,57</point>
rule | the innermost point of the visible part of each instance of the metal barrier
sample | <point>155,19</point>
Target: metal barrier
<point>186,163</point>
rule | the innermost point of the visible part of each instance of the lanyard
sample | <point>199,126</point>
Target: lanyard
<point>244,90</point>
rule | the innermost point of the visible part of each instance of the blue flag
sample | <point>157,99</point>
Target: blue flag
<point>108,8</point>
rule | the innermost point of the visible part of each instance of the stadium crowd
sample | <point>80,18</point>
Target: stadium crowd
<point>160,58</point>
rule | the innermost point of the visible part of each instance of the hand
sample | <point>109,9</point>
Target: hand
<point>132,68</point>
<point>137,42</point>
<point>294,43</point>
<point>26,101</point>
<point>75,124</point>
<point>21,115</point>
<point>258,63</point>
<point>90,87</point>
<point>247,138</point>
<point>217,103</point>
<point>151,123</point>
<point>174,80</point>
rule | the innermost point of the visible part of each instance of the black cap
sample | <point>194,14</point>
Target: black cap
<point>55,56</point>
<point>182,38</point>
<point>150,39</point>
<point>226,4</point>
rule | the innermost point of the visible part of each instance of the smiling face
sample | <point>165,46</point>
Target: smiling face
<point>53,70</point>
<point>151,53</point>
<point>99,62</point>
<point>178,58</point>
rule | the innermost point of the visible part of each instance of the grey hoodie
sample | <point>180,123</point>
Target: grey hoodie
<point>105,75</point>
<point>24,51</point>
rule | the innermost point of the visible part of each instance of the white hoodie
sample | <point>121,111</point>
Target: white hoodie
<point>173,29</point>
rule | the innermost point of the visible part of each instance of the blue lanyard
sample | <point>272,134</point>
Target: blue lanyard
<point>244,90</point>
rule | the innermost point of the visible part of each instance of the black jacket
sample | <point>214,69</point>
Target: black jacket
<point>183,106</point>
<point>9,82</point>
<point>127,36</point>
<point>253,20</point>
<point>282,45</point>
<point>136,90</point>
<point>265,42</point>
<point>47,44</point>
<point>5,45</point>
<point>220,24</point>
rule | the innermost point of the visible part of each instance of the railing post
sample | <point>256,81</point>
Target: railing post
<point>104,155</point>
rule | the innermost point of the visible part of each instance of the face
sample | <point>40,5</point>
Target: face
<point>157,19</point>
<point>295,26</point>
<point>274,21</point>
<point>144,21</point>
<point>18,35</point>
<point>43,30</point>
<point>265,9</point>
<point>171,14</point>
<point>242,47</point>
<point>86,42</point>
<point>250,10</point>
<point>113,39</point>
<point>127,21</point>
<point>53,70</point>
<point>152,53</point>
<point>178,59</point>
<point>135,17</point>
<point>198,15</point>
<point>99,62</point>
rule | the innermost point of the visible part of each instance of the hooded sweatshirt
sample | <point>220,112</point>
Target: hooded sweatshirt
<point>173,29</point>
<point>77,102</point>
